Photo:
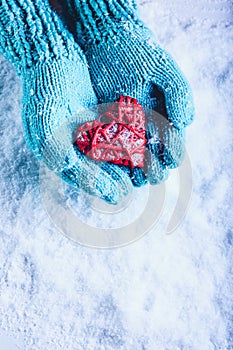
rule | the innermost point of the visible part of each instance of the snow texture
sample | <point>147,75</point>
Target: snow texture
<point>164,292</point>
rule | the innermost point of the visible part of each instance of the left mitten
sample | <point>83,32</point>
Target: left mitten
<point>56,89</point>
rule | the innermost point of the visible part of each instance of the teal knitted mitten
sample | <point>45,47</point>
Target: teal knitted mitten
<point>56,87</point>
<point>124,59</point>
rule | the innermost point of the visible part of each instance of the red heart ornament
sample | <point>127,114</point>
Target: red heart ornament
<point>121,140</point>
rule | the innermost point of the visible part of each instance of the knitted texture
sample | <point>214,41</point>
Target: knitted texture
<point>124,59</point>
<point>56,94</point>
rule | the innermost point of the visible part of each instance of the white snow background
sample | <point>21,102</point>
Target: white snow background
<point>162,292</point>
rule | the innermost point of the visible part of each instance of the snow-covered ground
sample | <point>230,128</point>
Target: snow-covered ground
<point>164,292</point>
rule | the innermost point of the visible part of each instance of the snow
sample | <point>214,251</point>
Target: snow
<point>165,292</point>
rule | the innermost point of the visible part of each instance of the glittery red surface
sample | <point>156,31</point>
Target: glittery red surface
<point>120,140</point>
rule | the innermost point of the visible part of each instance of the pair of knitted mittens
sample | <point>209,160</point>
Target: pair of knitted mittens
<point>123,59</point>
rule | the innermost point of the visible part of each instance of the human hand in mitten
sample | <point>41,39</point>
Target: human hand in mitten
<point>56,87</point>
<point>124,59</point>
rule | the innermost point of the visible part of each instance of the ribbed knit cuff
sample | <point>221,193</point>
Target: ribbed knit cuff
<point>31,31</point>
<point>99,18</point>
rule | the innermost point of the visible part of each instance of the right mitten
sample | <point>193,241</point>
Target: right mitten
<point>124,59</point>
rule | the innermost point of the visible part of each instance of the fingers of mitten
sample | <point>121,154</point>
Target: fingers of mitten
<point>122,179</point>
<point>136,175</point>
<point>166,143</point>
<point>174,147</point>
<point>157,172</point>
<point>176,89</point>
<point>101,180</point>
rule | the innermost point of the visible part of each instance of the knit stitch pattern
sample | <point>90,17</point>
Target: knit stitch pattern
<point>56,94</point>
<point>124,59</point>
